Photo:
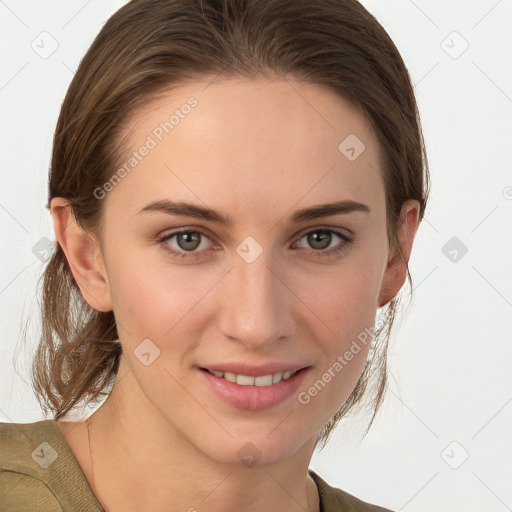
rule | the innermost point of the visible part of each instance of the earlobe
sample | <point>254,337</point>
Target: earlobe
<point>396,268</point>
<point>83,255</point>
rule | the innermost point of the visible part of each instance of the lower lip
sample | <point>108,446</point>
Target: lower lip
<point>254,397</point>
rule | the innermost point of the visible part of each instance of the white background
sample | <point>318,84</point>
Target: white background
<point>450,394</point>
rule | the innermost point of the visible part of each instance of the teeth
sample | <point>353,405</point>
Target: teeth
<point>277,377</point>
<point>246,380</point>
<point>265,380</point>
<point>229,376</point>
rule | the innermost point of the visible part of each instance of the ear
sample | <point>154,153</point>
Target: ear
<point>396,268</point>
<point>83,254</point>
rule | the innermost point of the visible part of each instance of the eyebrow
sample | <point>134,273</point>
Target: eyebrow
<point>204,213</point>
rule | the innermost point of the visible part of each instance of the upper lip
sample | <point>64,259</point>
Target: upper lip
<point>254,370</point>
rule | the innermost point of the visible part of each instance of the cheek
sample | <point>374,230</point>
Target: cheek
<point>349,311</point>
<point>344,298</point>
<point>345,304</point>
<point>152,298</point>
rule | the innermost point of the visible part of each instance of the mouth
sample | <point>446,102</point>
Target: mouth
<point>248,380</point>
<point>262,390</point>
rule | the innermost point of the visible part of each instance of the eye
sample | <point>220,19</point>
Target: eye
<point>190,243</point>
<point>322,238</point>
<point>187,240</point>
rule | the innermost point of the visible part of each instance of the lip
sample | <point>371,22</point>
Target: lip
<point>254,370</point>
<point>253,397</point>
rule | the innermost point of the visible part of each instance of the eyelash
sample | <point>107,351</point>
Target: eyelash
<point>345,240</point>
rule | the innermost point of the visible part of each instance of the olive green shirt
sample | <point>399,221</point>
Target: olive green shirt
<point>39,473</point>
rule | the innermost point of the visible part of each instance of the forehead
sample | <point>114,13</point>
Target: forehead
<point>244,141</point>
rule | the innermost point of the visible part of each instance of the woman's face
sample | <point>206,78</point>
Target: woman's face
<point>269,290</point>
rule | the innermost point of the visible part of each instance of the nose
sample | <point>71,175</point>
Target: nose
<point>257,306</point>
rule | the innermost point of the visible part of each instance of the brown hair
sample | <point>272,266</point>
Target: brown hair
<point>147,47</point>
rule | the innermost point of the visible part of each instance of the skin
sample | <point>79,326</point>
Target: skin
<point>256,150</point>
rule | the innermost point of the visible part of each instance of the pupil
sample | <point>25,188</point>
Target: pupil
<point>189,238</point>
<point>320,236</point>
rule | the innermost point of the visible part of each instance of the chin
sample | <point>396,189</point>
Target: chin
<point>254,448</point>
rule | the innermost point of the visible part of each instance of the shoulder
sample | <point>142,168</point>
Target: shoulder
<point>27,448</point>
<point>23,456</point>
<point>37,469</point>
<point>333,499</point>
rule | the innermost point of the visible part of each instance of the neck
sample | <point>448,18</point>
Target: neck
<point>140,462</point>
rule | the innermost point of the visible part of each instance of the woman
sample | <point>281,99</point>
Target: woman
<point>235,188</point>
